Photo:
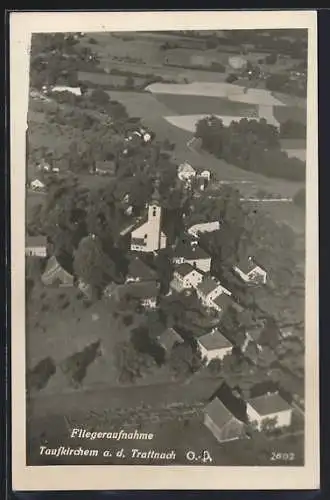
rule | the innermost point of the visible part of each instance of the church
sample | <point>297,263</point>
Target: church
<point>148,236</point>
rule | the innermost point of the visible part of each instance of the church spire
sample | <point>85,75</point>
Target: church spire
<point>156,195</point>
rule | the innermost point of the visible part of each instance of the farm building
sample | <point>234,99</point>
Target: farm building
<point>73,90</point>
<point>36,246</point>
<point>145,292</point>
<point>214,345</point>
<point>269,407</point>
<point>221,422</point>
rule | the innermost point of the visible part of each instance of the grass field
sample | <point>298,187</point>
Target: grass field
<point>188,104</point>
<point>108,79</point>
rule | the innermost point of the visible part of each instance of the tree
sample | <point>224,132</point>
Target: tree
<point>130,363</point>
<point>100,97</point>
<point>184,360</point>
<point>299,198</point>
<point>92,265</point>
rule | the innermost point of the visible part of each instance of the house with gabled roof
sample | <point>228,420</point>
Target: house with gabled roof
<point>185,277</point>
<point>36,246</point>
<point>191,253</point>
<point>269,407</point>
<point>214,345</point>
<point>145,292</point>
<point>203,227</point>
<point>222,423</point>
<point>139,271</point>
<point>208,291</point>
<point>250,272</point>
<point>168,339</point>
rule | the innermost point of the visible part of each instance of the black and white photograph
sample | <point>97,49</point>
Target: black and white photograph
<point>165,216</point>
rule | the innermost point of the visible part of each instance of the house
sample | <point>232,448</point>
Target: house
<point>148,236</point>
<point>209,289</point>
<point>205,174</point>
<point>139,271</point>
<point>222,423</point>
<point>185,276</point>
<point>73,90</point>
<point>145,292</point>
<point>43,165</point>
<point>203,227</point>
<point>191,253</point>
<point>222,302</point>
<point>214,345</point>
<point>269,407</point>
<point>168,339</point>
<point>250,272</point>
<point>36,246</point>
<point>105,168</point>
<point>186,172</point>
<point>55,274</point>
<point>37,185</point>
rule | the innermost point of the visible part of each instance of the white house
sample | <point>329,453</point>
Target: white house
<point>148,237</point>
<point>209,290</point>
<point>214,345</point>
<point>269,407</point>
<point>37,185</point>
<point>191,253</point>
<point>73,90</point>
<point>203,227</point>
<point>205,174</point>
<point>186,172</point>
<point>36,246</point>
<point>250,272</point>
<point>185,277</point>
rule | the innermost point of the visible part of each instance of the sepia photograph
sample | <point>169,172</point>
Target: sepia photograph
<point>169,178</point>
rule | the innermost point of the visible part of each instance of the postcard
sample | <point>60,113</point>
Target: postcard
<point>164,215</point>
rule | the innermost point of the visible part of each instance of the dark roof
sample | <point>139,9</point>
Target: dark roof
<point>189,251</point>
<point>138,269</point>
<point>207,285</point>
<point>214,340</point>
<point>36,241</point>
<point>269,404</point>
<point>169,338</point>
<point>246,265</point>
<point>138,241</point>
<point>144,290</point>
<point>218,413</point>
<point>223,301</point>
<point>184,269</point>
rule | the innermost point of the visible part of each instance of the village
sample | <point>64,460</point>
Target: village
<point>149,277</point>
<point>191,276</point>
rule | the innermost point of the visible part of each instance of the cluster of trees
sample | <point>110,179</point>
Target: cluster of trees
<point>281,82</point>
<point>56,58</point>
<point>251,145</point>
<point>300,198</point>
<point>291,129</point>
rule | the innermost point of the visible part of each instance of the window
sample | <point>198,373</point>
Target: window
<point>145,236</point>
<point>154,210</point>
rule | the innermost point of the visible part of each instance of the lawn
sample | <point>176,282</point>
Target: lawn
<point>296,113</point>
